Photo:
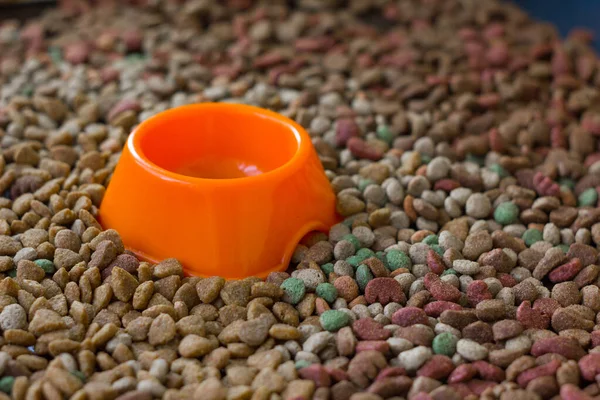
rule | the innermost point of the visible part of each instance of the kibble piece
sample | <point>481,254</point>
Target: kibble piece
<point>294,290</point>
<point>506,213</point>
<point>162,330</point>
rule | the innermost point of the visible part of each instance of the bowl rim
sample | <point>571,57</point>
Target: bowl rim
<point>294,163</point>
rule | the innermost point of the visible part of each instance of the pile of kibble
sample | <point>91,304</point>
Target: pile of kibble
<point>462,140</point>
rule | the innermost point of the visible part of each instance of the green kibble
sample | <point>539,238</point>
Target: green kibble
<point>327,292</point>
<point>27,90</point>
<point>381,256</point>
<point>398,259</point>
<point>425,159</point>
<point>327,268</point>
<point>449,271</point>
<point>531,236</point>
<point>384,133</point>
<point>567,182</point>
<point>352,239</point>
<point>333,320</point>
<point>506,213</point>
<point>475,159</point>
<point>563,247</point>
<point>12,273</point>
<point>363,276</point>
<point>302,364</point>
<point>355,260</point>
<point>363,183</point>
<point>79,375</point>
<point>445,344</point>
<point>6,384</point>
<point>365,253</point>
<point>497,168</point>
<point>431,239</point>
<point>438,249</point>
<point>294,290</point>
<point>55,54</point>
<point>588,197</point>
<point>46,265</point>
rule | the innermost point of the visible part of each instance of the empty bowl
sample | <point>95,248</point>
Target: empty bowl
<point>227,189</point>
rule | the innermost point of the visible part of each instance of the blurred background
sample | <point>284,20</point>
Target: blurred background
<point>565,14</point>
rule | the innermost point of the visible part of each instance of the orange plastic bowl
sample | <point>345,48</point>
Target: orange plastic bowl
<point>227,189</point>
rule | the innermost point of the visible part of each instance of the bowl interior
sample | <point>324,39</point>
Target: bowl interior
<point>217,142</point>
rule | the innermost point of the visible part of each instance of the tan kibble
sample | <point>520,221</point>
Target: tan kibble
<point>67,383</point>
<point>19,337</point>
<point>143,294</point>
<point>51,392</point>
<point>33,362</point>
<point>60,346</point>
<point>45,321</point>
<point>139,328</point>
<point>192,324</point>
<point>299,388</point>
<point>162,330</point>
<point>195,346</point>
<point>284,332</point>
<point>102,296</point>
<point>123,284</point>
<point>105,333</point>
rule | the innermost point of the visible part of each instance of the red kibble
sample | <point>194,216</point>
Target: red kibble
<point>436,308</point>
<point>565,346</point>
<point>390,372</point>
<point>373,345</point>
<point>561,64</point>
<point>446,185</point>
<point>506,280</point>
<point>444,291</point>
<point>478,387</point>
<point>545,186</point>
<point>438,367</point>
<point>547,369</point>
<point>558,139</point>
<point>547,305</point>
<point>345,129</point>
<point>435,262</point>
<point>316,373</point>
<point>362,149</point>
<point>591,123</point>
<point>566,271</point>
<point>496,140</point>
<point>478,291</point>
<point>408,316</point>
<point>337,374</point>
<point>488,371</point>
<point>590,366</point>
<point>384,290</point>
<point>462,373</point>
<point>462,389</point>
<point>369,329</point>
<point>595,336</point>
<point>572,392</point>
<point>532,318</point>
<point>422,396</point>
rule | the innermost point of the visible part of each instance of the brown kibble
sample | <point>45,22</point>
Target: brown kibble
<point>347,288</point>
<point>168,267</point>
<point>124,285</point>
<point>208,289</point>
<point>142,295</point>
